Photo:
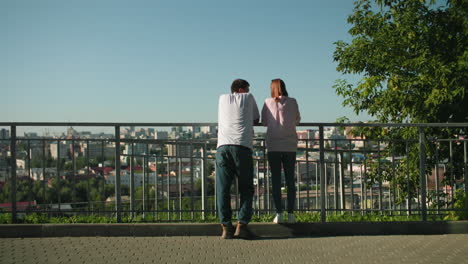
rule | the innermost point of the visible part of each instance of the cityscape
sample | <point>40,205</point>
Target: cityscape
<point>168,166</point>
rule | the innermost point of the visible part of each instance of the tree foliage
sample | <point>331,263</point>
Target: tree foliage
<point>43,193</point>
<point>413,59</point>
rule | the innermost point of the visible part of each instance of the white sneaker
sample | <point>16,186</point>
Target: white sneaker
<point>278,219</point>
<point>291,219</point>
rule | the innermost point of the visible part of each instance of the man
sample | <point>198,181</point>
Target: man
<point>237,113</point>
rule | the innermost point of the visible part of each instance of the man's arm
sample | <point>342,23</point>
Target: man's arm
<point>264,115</point>
<point>256,114</point>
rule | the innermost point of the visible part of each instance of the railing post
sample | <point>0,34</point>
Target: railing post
<point>132,182</point>
<point>168,187</point>
<point>437,176</point>
<point>299,179</point>
<point>465,175</point>
<point>351,176</point>
<point>118,205</point>
<point>13,173</point>
<point>146,178</point>
<point>30,179</point>
<point>73,171</point>
<point>203,182</point>
<point>265,178</point>
<point>87,176</point>
<point>155,187</point>
<point>144,188</point>
<point>379,173</point>
<point>452,178</point>
<point>59,162</point>
<point>323,215</point>
<point>179,179</point>
<point>422,172</point>
<point>335,178</point>
<point>103,182</point>
<point>192,202</point>
<point>342,187</point>
<point>257,172</point>
<point>307,173</point>
<point>44,181</point>
<point>408,182</point>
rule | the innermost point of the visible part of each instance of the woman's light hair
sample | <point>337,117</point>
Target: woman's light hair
<point>278,88</point>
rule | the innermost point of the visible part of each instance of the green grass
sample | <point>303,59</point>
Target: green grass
<point>196,217</point>
<point>301,217</point>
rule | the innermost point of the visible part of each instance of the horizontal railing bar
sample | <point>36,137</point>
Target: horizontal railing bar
<point>315,124</point>
<point>213,142</point>
<point>209,142</point>
<point>83,210</point>
<point>386,124</point>
<point>172,192</point>
<point>101,124</point>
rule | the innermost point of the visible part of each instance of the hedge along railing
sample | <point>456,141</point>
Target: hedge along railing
<point>322,167</point>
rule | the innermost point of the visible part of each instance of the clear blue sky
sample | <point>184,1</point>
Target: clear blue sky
<point>165,61</point>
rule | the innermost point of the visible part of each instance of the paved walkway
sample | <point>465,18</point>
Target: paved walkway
<point>208,249</point>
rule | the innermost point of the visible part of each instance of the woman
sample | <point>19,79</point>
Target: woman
<point>280,114</point>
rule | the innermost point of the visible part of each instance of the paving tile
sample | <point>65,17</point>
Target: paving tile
<point>208,249</point>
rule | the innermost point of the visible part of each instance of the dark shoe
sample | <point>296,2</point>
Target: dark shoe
<point>243,232</point>
<point>228,231</point>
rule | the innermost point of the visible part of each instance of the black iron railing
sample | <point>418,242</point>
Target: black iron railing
<point>172,179</point>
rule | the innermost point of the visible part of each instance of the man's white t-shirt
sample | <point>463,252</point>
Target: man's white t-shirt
<point>236,114</point>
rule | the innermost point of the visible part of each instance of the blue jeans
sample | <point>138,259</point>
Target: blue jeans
<point>234,161</point>
<point>287,160</point>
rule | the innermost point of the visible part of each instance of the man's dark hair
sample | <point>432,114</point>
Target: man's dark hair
<point>238,84</point>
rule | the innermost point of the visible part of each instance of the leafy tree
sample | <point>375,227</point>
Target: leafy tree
<point>96,195</point>
<point>81,191</point>
<point>413,61</point>
<point>85,191</point>
<point>37,162</point>
<point>149,197</point>
<point>210,186</point>
<point>21,192</point>
<point>210,167</point>
<point>80,163</point>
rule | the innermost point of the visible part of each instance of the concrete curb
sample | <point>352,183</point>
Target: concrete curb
<point>265,230</point>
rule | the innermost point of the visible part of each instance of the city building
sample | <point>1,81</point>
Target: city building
<point>71,132</point>
<point>4,133</point>
<point>307,134</point>
<point>161,135</point>
<point>61,149</point>
<point>20,164</point>
<point>37,174</point>
<point>97,150</point>
<point>179,150</point>
<point>210,130</point>
<point>137,149</point>
<point>32,135</point>
<point>194,129</point>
